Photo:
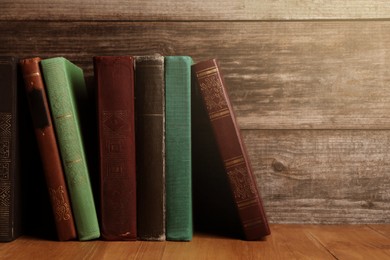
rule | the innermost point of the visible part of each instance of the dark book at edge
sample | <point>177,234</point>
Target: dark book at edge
<point>232,150</point>
<point>10,199</point>
<point>114,77</point>
<point>48,148</point>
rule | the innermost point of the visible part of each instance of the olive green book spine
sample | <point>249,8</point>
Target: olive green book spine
<point>65,87</point>
<point>179,224</point>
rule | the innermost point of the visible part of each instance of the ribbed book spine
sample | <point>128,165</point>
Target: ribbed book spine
<point>46,139</point>
<point>150,132</point>
<point>178,148</point>
<point>232,150</point>
<point>65,84</point>
<point>115,105</point>
<point>10,212</point>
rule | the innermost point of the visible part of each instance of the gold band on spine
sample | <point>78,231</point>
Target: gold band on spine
<point>253,222</point>
<point>74,161</point>
<point>35,74</point>
<point>247,203</point>
<point>234,161</point>
<point>64,116</point>
<point>220,114</point>
<point>206,72</point>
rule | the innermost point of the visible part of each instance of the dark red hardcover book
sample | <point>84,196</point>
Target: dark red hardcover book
<point>114,77</point>
<point>47,144</point>
<point>232,149</point>
<point>10,184</point>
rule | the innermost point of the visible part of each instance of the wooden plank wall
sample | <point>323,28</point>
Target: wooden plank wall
<point>309,80</point>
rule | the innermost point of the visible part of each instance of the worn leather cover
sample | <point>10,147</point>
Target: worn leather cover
<point>10,203</point>
<point>150,129</point>
<point>47,144</point>
<point>115,106</point>
<point>232,150</point>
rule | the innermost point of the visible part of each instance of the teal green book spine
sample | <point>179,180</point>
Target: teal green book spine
<point>179,222</point>
<point>65,87</point>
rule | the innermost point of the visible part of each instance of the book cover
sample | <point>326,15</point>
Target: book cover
<point>65,86</point>
<point>47,144</point>
<point>178,148</point>
<point>213,209</point>
<point>150,132</point>
<point>114,77</point>
<point>231,148</point>
<point>10,197</point>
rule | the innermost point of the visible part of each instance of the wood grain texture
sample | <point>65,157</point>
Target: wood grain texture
<point>352,242</point>
<point>323,176</point>
<point>381,229</point>
<point>193,10</point>
<point>286,242</point>
<point>280,75</point>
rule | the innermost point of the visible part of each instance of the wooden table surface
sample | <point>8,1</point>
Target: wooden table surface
<point>286,242</point>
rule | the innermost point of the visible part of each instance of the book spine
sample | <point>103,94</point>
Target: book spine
<point>47,144</point>
<point>63,81</point>
<point>232,149</point>
<point>150,128</point>
<point>115,107</point>
<point>10,215</point>
<point>178,148</point>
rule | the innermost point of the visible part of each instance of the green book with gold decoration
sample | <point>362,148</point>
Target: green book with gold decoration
<point>67,92</point>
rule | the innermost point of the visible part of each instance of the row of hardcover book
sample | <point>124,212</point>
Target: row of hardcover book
<point>143,111</point>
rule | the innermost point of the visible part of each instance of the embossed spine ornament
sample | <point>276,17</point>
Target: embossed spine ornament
<point>65,83</point>
<point>232,150</point>
<point>115,106</point>
<point>10,215</point>
<point>47,144</point>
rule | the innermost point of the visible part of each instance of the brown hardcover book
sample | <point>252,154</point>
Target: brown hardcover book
<point>115,106</point>
<point>47,144</point>
<point>10,199</point>
<point>149,93</point>
<point>232,150</point>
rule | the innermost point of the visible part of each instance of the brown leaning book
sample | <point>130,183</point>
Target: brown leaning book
<point>115,105</point>
<point>47,144</point>
<point>232,150</point>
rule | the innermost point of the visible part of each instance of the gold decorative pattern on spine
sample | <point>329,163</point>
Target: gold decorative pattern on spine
<point>232,162</point>
<point>206,72</point>
<point>5,172</point>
